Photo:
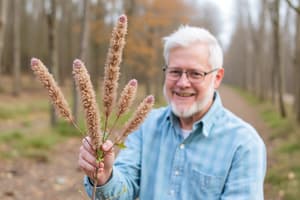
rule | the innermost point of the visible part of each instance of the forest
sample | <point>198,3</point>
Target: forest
<point>260,48</point>
<point>260,40</point>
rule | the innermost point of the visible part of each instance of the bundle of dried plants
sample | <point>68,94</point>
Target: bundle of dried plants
<point>84,85</point>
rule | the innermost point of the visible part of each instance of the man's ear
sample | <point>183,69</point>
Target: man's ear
<point>219,77</point>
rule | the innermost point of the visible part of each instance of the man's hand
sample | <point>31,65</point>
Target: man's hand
<point>87,161</point>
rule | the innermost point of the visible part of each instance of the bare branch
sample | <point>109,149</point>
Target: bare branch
<point>294,7</point>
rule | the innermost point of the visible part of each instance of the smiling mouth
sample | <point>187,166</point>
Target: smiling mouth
<point>184,94</point>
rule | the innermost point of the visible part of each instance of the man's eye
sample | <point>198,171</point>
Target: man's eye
<point>175,72</point>
<point>195,74</point>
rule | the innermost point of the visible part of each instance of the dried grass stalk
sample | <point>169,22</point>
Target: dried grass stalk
<point>88,99</point>
<point>138,117</point>
<point>112,69</point>
<point>127,96</point>
<point>56,96</point>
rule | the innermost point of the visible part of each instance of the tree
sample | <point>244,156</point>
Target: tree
<point>17,48</point>
<point>83,53</point>
<point>3,18</point>
<point>52,41</point>
<point>237,58</point>
<point>206,15</point>
<point>258,53</point>
<point>277,68</point>
<point>297,59</point>
<point>100,31</point>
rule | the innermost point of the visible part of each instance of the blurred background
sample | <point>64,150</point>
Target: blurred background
<point>38,151</point>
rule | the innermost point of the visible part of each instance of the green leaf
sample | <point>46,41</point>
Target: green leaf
<point>100,155</point>
<point>121,145</point>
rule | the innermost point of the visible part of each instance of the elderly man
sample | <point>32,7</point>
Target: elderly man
<point>192,149</point>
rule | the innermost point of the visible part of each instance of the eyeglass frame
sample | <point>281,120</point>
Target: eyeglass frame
<point>187,72</point>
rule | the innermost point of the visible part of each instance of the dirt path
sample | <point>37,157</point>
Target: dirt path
<point>56,179</point>
<point>60,179</point>
<point>240,107</point>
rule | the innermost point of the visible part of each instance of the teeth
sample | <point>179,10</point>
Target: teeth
<point>184,94</point>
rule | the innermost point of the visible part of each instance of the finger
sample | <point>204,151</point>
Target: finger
<point>88,169</point>
<point>86,143</point>
<point>87,156</point>
<point>91,173</point>
<point>107,146</point>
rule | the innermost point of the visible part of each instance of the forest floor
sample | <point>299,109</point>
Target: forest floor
<point>57,176</point>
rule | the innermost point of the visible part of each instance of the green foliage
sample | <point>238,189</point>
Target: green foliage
<point>5,113</point>
<point>65,129</point>
<point>42,142</point>
<point>273,118</point>
<point>11,136</point>
<point>293,146</point>
<point>35,145</point>
<point>275,177</point>
<point>12,111</point>
<point>121,145</point>
<point>21,144</point>
<point>280,127</point>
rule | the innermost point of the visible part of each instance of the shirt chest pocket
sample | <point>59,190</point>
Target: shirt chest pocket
<point>204,186</point>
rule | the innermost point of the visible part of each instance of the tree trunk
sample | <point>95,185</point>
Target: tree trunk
<point>261,74</point>
<point>297,60</point>
<point>277,58</point>
<point>83,54</point>
<point>53,52</point>
<point>17,48</point>
<point>297,70</point>
<point>3,22</point>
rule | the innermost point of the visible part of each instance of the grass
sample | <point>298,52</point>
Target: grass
<point>12,111</point>
<point>281,127</point>
<point>283,173</point>
<point>35,145</point>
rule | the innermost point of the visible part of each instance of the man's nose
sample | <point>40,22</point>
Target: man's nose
<point>183,80</point>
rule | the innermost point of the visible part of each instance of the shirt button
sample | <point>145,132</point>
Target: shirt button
<point>172,192</point>
<point>176,173</point>
<point>181,146</point>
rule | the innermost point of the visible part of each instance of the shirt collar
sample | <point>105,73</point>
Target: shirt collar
<point>207,121</point>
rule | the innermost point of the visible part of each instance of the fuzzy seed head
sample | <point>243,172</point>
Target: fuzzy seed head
<point>127,96</point>
<point>88,100</point>
<point>112,66</point>
<point>123,18</point>
<point>55,94</point>
<point>140,114</point>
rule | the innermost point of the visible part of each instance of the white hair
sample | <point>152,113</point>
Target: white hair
<point>188,35</point>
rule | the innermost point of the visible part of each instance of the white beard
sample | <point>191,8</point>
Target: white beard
<point>195,107</point>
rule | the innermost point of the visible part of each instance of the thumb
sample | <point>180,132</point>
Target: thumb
<point>107,146</point>
<point>109,154</point>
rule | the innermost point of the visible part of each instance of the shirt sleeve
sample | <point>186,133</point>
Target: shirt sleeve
<point>246,176</point>
<point>124,183</point>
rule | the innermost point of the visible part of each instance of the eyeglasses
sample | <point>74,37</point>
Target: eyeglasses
<point>194,76</point>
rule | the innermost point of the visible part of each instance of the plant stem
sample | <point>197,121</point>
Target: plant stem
<point>105,127</point>
<point>95,184</point>
<point>81,132</point>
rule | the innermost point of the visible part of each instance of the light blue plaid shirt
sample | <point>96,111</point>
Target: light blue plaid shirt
<point>222,158</point>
